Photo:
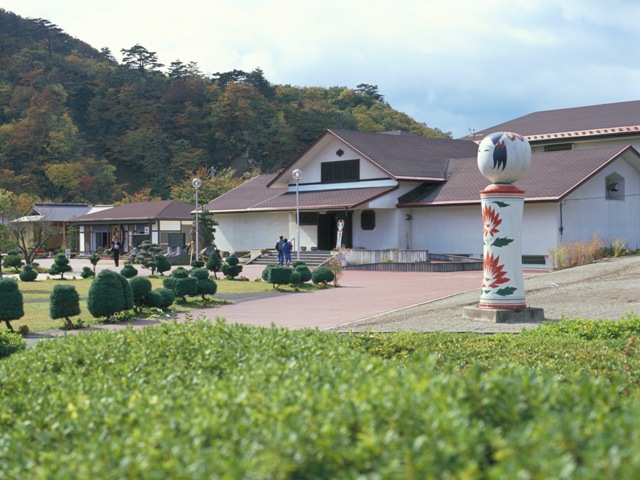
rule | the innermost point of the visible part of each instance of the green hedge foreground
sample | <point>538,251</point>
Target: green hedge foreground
<point>201,400</point>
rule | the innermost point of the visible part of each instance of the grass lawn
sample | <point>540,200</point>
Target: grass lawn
<point>36,299</point>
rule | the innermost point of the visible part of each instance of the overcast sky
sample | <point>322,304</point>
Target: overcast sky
<point>452,64</point>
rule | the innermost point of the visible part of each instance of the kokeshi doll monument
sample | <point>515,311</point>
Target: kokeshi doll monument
<point>503,158</point>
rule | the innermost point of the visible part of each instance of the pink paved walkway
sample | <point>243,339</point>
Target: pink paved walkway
<point>360,295</point>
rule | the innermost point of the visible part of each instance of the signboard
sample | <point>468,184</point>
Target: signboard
<point>340,229</point>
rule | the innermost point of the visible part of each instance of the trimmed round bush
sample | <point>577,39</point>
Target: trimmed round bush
<point>305,273</point>
<point>322,275</point>
<point>232,269</point>
<point>168,297</point>
<point>162,264</point>
<point>129,271</point>
<point>296,278</point>
<point>207,286</point>
<point>87,272</point>
<point>182,287</point>
<point>280,276</point>
<point>28,274</point>
<point>109,293</point>
<point>153,299</point>
<point>180,272</point>
<point>265,272</point>
<point>64,302</point>
<point>197,263</point>
<point>140,287</point>
<point>11,305</point>
<point>199,273</point>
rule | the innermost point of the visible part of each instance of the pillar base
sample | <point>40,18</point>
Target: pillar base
<point>499,315</point>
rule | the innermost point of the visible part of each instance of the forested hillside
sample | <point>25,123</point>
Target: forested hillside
<point>77,125</point>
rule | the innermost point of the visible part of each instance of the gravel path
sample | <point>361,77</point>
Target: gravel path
<point>604,290</point>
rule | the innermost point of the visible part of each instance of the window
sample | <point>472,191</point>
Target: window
<point>558,147</point>
<point>308,218</point>
<point>615,187</point>
<point>342,171</point>
<point>368,220</point>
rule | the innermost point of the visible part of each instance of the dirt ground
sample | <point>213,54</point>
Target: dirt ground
<point>604,290</point>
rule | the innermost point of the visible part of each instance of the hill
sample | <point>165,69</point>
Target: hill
<point>77,125</point>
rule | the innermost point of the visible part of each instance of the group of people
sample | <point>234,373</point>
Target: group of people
<point>284,247</point>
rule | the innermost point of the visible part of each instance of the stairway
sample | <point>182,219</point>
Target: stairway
<point>311,258</point>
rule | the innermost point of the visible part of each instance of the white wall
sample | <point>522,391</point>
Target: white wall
<point>242,232</point>
<point>587,211</point>
<point>383,236</point>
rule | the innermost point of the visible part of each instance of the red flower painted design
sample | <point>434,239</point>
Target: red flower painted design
<point>493,273</point>
<point>490,221</point>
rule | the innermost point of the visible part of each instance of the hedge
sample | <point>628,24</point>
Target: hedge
<point>201,400</point>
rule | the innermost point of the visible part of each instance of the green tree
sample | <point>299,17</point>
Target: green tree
<point>11,305</point>
<point>108,294</point>
<point>140,59</point>
<point>60,265</point>
<point>64,302</point>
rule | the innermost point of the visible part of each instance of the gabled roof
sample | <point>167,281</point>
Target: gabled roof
<point>141,211</point>
<point>400,155</point>
<point>622,118</point>
<point>551,177</point>
<point>58,212</point>
<point>253,196</point>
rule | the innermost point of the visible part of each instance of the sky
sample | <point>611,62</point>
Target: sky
<point>456,65</point>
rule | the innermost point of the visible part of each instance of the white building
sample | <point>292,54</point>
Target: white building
<point>398,191</point>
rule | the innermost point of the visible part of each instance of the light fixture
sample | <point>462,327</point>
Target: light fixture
<point>297,175</point>
<point>197,183</point>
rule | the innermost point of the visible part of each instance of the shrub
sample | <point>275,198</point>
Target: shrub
<point>64,302</point>
<point>28,274</point>
<point>129,271</point>
<point>197,263</point>
<point>153,299</point>
<point>11,305</point>
<point>296,278</point>
<point>265,272</point>
<point>182,287</point>
<point>168,297</point>
<point>322,275</point>
<point>94,258</point>
<point>12,260</point>
<point>140,287</point>
<point>280,276</point>
<point>232,269</point>
<point>60,265</point>
<point>108,294</point>
<point>214,264</point>
<point>162,264</point>
<point>10,343</point>
<point>305,273</point>
<point>180,272</point>
<point>199,273</point>
<point>87,273</point>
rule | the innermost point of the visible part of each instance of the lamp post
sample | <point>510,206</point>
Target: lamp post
<point>197,183</point>
<point>297,175</point>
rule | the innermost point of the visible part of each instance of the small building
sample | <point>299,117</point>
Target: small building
<point>168,223</point>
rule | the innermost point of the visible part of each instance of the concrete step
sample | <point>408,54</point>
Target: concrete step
<point>311,258</point>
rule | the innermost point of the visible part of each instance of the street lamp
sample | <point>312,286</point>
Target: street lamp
<point>197,183</point>
<point>297,175</point>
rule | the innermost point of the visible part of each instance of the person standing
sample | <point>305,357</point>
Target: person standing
<point>286,251</point>
<point>279,250</point>
<point>115,248</point>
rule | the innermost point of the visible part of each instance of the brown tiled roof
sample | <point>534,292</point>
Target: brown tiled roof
<point>143,211</point>
<point>621,118</point>
<point>255,196</point>
<point>551,177</point>
<point>401,155</point>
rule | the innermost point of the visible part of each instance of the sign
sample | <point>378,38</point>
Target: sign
<point>340,229</point>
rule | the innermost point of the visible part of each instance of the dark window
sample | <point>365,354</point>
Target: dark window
<point>368,220</point>
<point>558,147</point>
<point>308,218</point>
<point>343,171</point>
